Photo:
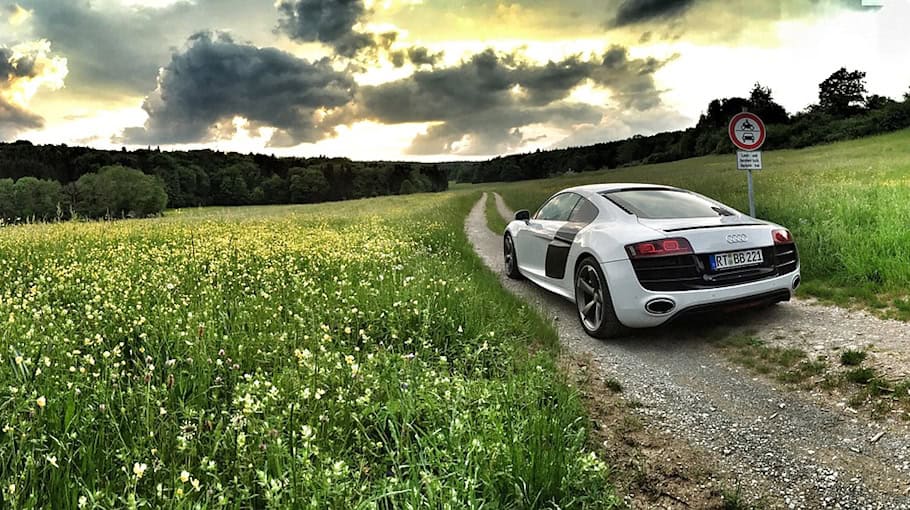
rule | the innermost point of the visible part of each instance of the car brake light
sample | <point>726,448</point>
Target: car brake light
<point>782,236</point>
<point>660,248</point>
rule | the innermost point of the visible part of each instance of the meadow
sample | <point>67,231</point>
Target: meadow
<point>346,355</point>
<point>847,204</point>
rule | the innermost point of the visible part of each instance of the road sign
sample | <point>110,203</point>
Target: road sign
<point>747,131</point>
<point>748,160</point>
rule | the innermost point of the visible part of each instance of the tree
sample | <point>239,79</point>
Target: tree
<point>763,105</point>
<point>36,198</point>
<point>232,187</point>
<point>7,200</point>
<point>720,111</point>
<point>877,102</point>
<point>119,191</point>
<point>843,93</point>
<point>307,185</point>
<point>407,188</point>
<point>275,190</point>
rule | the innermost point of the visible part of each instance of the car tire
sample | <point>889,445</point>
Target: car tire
<point>510,258</point>
<point>593,301</point>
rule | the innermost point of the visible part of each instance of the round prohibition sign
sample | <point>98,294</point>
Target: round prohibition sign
<point>747,131</point>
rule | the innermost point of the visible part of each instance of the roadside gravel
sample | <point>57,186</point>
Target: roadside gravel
<point>780,449</point>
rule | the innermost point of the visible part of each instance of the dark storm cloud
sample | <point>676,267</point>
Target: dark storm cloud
<point>215,78</point>
<point>12,68</point>
<point>718,19</point>
<point>14,120</point>
<point>419,55</point>
<point>327,21</point>
<point>631,12</point>
<point>491,96</point>
<point>319,20</point>
<point>117,49</point>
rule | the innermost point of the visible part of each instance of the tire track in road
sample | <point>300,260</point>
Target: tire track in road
<point>772,443</point>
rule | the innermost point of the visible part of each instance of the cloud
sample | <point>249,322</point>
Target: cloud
<point>24,69</point>
<point>719,20</point>
<point>482,104</point>
<point>16,14</point>
<point>215,79</point>
<point>327,21</point>
<point>14,120</point>
<point>419,55</point>
<point>618,124</point>
<point>118,49</point>
<point>636,11</point>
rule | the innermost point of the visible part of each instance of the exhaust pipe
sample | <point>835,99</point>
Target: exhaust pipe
<point>796,282</point>
<point>660,306</point>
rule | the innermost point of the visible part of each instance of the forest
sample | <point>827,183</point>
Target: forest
<point>844,111</point>
<point>56,182</point>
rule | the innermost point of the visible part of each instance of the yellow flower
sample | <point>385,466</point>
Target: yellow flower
<point>52,460</point>
<point>41,401</point>
<point>184,476</point>
<point>139,469</point>
<point>195,483</point>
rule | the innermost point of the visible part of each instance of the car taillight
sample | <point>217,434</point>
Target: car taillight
<point>659,248</point>
<point>782,236</point>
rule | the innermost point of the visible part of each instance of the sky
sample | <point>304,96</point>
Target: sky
<point>423,80</point>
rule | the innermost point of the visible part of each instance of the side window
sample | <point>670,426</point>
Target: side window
<point>558,208</point>
<point>584,212</point>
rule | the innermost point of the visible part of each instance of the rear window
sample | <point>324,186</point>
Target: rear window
<point>661,204</point>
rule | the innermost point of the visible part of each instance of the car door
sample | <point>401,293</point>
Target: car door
<point>540,231</point>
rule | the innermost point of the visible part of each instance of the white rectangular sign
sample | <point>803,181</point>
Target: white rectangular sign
<point>748,160</point>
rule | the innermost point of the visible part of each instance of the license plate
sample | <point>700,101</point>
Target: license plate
<point>734,259</point>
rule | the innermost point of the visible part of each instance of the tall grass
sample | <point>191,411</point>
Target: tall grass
<point>848,204</point>
<point>339,356</point>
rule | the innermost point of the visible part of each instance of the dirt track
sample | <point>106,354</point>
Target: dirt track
<point>778,447</point>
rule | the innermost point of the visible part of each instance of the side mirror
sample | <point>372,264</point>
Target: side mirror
<point>523,215</point>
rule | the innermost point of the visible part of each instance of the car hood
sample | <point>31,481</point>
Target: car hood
<point>676,225</point>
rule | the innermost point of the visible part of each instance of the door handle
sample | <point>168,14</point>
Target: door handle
<point>542,234</point>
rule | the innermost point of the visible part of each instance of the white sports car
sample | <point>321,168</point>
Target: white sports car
<point>639,255</point>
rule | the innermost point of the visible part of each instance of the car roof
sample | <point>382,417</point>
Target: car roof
<point>615,186</point>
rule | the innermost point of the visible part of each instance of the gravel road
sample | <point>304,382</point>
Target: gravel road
<point>779,448</point>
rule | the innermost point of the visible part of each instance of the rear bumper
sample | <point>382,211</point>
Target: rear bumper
<point>630,298</point>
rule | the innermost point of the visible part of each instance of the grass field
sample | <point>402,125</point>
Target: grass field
<point>848,205</point>
<point>350,355</point>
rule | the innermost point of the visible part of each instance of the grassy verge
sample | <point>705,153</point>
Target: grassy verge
<point>495,221</point>
<point>846,204</point>
<point>863,387</point>
<point>351,355</point>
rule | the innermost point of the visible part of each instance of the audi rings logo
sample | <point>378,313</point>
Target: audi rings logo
<point>737,238</point>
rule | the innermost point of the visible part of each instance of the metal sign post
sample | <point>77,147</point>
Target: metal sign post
<point>747,132</point>
<point>751,195</point>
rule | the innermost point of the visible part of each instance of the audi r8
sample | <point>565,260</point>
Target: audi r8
<point>640,255</point>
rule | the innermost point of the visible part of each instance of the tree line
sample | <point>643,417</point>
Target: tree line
<point>57,181</point>
<point>114,191</point>
<point>844,111</point>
